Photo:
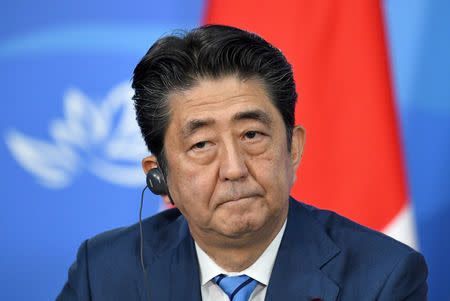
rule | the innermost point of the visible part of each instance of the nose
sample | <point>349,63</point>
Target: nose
<point>232,163</point>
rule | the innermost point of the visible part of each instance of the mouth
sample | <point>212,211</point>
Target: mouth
<point>238,199</point>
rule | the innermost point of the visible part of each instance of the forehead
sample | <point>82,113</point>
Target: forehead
<point>220,100</point>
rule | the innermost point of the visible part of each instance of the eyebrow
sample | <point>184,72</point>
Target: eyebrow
<point>193,125</point>
<point>258,115</point>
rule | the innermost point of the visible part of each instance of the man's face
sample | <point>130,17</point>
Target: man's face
<point>230,172</point>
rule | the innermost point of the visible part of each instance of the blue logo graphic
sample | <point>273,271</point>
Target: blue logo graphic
<point>87,138</point>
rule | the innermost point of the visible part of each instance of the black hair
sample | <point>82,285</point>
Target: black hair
<point>177,62</point>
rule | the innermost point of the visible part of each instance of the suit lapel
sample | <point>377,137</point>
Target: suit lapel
<point>174,275</point>
<point>185,280</point>
<point>304,250</point>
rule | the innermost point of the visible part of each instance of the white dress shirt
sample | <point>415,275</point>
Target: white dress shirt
<point>260,270</point>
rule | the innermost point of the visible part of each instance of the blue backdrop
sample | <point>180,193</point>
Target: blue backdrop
<point>70,149</point>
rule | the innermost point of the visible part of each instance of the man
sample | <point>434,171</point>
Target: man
<point>216,109</point>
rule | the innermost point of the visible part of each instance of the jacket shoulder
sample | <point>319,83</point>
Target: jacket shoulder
<point>112,259</point>
<point>370,262</point>
<point>348,234</point>
<point>125,241</point>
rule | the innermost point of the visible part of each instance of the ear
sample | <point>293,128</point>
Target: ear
<point>148,163</point>
<point>297,147</point>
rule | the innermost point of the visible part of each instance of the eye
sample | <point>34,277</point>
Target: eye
<point>255,142</point>
<point>200,145</point>
<point>252,134</point>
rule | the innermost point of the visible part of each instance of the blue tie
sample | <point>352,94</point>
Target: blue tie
<point>238,288</point>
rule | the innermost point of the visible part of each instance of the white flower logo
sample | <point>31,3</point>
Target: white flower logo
<point>103,139</point>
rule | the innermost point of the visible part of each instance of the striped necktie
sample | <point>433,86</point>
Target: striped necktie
<point>238,288</point>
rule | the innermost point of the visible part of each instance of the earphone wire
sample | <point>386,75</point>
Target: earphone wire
<point>147,283</point>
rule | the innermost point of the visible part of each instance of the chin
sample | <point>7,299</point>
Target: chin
<point>239,227</point>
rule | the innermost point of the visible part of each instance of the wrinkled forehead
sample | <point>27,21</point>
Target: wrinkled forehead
<point>225,98</point>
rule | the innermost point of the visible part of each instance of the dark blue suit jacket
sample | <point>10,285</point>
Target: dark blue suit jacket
<point>322,255</point>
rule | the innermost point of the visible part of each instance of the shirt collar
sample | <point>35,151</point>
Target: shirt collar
<point>260,270</point>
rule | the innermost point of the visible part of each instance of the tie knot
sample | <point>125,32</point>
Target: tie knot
<point>238,288</point>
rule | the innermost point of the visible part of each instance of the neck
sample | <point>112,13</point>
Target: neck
<point>237,254</point>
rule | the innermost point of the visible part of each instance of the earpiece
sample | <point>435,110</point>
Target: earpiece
<point>156,182</point>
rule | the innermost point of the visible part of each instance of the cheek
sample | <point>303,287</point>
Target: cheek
<point>274,173</point>
<point>192,186</point>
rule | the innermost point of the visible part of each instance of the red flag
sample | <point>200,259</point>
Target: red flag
<point>352,162</point>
